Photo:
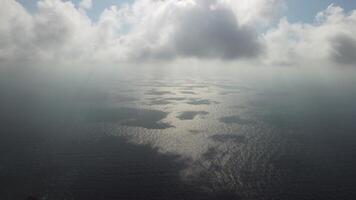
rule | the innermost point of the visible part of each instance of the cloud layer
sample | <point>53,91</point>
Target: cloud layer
<point>330,40</point>
<point>150,30</point>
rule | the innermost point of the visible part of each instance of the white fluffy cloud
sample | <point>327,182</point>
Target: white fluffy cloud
<point>200,28</point>
<point>330,40</point>
<point>143,30</point>
<point>86,4</point>
<point>58,32</point>
<point>168,30</point>
<point>261,12</point>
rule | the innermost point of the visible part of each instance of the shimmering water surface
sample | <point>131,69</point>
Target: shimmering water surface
<point>159,135</point>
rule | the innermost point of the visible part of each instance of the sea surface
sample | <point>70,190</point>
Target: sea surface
<point>179,133</point>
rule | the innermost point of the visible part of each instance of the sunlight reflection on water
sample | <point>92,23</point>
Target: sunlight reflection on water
<point>201,138</point>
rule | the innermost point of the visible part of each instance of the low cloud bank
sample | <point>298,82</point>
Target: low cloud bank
<point>60,33</point>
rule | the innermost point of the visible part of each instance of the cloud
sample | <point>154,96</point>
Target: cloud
<point>60,33</point>
<point>86,4</point>
<point>344,48</point>
<point>329,41</point>
<point>166,30</point>
<point>15,31</point>
<point>262,12</point>
<point>203,29</point>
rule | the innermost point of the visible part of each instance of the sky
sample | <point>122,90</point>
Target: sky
<point>246,32</point>
<point>305,10</point>
<point>298,10</point>
<point>98,6</point>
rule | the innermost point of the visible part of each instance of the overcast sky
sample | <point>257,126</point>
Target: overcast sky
<point>259,32</point>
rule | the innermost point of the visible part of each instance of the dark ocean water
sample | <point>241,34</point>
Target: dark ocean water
<point>153,134</point>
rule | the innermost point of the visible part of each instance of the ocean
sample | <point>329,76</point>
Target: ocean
<point>179,133</point>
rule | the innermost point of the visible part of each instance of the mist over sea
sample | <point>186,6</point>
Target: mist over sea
<point>184,132</point>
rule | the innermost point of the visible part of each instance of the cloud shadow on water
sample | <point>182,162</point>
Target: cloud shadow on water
<point>201,102</point>
<point>150,119</point>
<point>189,115</point>
<point>93,167</point>
<point>164,100</point>
<point>228,137</point>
